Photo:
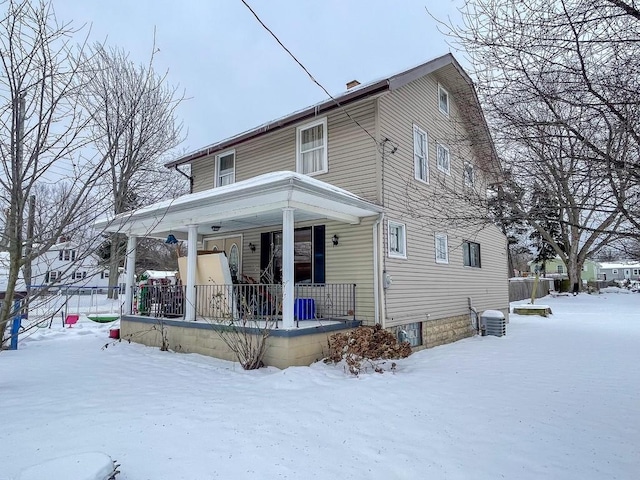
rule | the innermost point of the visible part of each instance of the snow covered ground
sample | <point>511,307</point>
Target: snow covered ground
<point>557,398</point>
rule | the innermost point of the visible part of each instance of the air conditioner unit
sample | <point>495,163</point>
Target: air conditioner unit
<point>492,322</point>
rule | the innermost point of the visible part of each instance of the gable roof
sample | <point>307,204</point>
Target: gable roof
<point>360,92</point>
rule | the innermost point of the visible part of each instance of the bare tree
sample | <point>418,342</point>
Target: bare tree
<point>559,83</point>
<point>135,126</point>
<point>44,128</point>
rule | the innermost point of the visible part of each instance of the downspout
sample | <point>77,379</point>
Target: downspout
<point>379,310</point>
<point>188,176</point>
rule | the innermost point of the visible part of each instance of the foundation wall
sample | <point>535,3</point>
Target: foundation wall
<point>285,348</point>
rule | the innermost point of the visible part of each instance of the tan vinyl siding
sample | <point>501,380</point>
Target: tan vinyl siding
<point>351,153</point>
<point>422,289</point>
<point>351,261</point>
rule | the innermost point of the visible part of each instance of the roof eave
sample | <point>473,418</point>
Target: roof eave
<point>310,112</point>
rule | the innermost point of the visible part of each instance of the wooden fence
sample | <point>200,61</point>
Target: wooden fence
<point>521,288</point>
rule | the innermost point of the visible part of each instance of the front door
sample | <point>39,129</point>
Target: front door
<point>232,247</point>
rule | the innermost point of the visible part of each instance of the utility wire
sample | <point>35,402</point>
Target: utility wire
<point>308,73</point>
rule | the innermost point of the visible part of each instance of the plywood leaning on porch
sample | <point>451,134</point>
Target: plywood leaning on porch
<point>215,294</point>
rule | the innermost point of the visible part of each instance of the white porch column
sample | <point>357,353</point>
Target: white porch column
<point>288,281</point>
<point>192,257</point>
<point>130,270</point>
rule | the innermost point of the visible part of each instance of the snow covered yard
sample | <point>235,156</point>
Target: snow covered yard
<point>558,397</point>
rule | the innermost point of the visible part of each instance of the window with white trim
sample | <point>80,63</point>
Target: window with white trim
<point>442,248</point>
<point>52,276</point>
<point>311,148</point>
<point>225,168</point>
<point>468,175</point>
<point>443,100</point>
<point>67,255</point>
<point>560,268</point>
<point>397,240</point>
<point>444,159</point>
<point>420,154</point>
<point>471,254</point>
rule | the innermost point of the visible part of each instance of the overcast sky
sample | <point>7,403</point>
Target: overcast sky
<point>234,73</point>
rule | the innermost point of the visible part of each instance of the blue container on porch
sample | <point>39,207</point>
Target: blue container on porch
<point>304,308</point>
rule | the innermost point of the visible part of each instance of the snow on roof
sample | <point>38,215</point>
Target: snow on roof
<point>155,274</point>
<point>619,265</point>
<point>264,180</point>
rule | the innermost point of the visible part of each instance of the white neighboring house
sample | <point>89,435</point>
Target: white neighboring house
<point>62,267</point>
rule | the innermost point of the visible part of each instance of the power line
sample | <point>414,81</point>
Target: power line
<point>307,71</point>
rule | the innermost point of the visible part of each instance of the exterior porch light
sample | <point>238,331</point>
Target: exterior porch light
<point>335,240</point>
<point>171,239</point>
<point>252,247</point>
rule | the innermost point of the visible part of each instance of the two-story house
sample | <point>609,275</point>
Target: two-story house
<point>332,206</point>
<point>65,265</point>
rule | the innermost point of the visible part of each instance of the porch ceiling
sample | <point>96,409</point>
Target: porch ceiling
<point>252,203</point>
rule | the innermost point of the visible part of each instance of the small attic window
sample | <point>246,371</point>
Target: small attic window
<point>443,100</point>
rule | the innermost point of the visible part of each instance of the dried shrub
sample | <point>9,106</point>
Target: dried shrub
<point>366,347</point>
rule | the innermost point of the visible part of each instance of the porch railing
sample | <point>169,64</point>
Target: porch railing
<point>248,301</point>
<point>159,300</point>
<point>264,301</point>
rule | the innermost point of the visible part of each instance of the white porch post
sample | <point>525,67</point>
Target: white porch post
<point>192,257</point>
<point>288,286</point>
<point>130,270</point>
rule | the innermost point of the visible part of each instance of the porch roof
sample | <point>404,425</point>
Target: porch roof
<point>251,203</point>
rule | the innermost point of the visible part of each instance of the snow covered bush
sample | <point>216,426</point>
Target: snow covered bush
<point>366,347</point>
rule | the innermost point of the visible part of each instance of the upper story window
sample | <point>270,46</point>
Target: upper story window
<point>468,175</point>
<point>442,248</point>
<point>443,100</point>
<point>471,254</point>
<point>311,148</point>
<point>67,255</point>
<point>397,240</point>
<point>444,161</point>
<point>225,168</point>
<point>560,268</point>
<point>420,154</point>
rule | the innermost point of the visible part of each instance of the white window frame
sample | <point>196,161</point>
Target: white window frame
<point>442,237</point>
<point>444,111</point>
<point>219,172</point>
<point>469,181</point>
<point>560,269</point>
<point>325,161</point>
<point>402,242</point>
<point>417,158</point>
<point>443,168</point>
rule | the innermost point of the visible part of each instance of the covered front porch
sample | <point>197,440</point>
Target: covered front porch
<point>287,289</point>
